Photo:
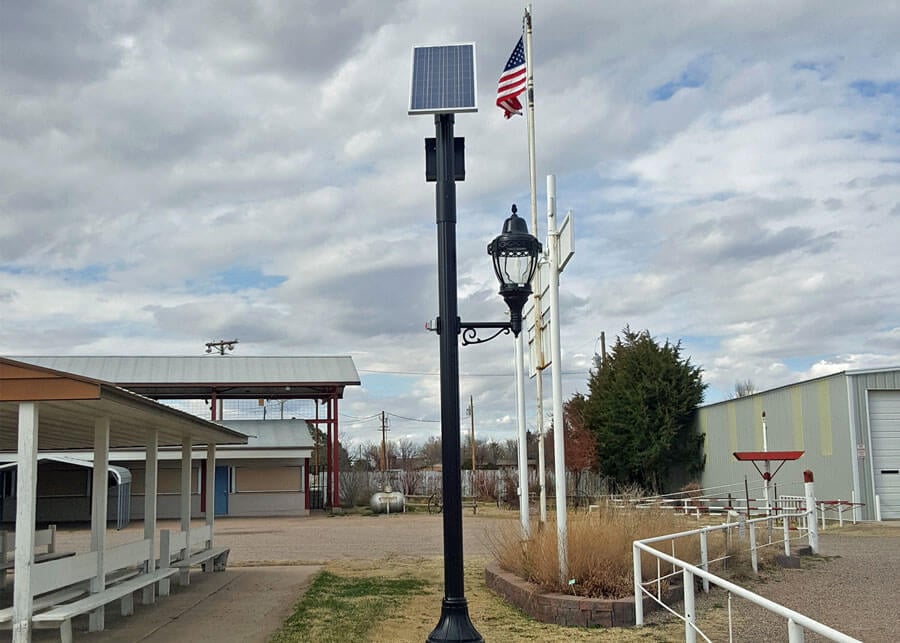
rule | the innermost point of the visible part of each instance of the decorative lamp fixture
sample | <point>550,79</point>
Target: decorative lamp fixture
<point>515,255</point>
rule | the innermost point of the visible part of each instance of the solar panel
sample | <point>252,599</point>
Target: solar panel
<point>443,79</point>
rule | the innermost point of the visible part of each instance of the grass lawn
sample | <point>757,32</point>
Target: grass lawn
<point>399,599</point>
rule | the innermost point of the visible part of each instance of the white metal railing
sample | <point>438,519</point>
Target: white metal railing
<point>796,623</point>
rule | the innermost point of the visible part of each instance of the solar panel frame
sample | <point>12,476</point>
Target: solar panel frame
<point>443,79</point>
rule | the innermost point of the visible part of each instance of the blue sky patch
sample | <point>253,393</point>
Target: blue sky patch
<point>387,384</point>
<point>872,89</point>
<point>823,69</point>
<point>14,270</point>
<point>237,278</point>
<point>91,274</point>
<point>695,75</point>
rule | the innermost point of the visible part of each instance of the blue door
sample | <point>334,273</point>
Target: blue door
<point>221,493</point>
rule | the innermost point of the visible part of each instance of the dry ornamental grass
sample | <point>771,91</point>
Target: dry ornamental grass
<point>599,552</point>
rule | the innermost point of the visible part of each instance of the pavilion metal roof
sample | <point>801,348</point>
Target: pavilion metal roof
<point>69,405</point>
<point>230,376</point>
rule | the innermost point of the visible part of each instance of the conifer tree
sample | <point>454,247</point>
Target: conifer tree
<point>641,409</point>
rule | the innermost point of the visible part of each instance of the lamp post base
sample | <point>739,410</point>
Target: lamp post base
<point>454,624</point>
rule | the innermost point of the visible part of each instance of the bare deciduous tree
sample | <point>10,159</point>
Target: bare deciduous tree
<point>743,388</point>
<point>431,451</point>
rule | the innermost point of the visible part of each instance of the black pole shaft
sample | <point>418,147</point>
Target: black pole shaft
<point>454,624</point>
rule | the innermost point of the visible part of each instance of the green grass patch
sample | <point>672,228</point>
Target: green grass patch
<point>342,608</point>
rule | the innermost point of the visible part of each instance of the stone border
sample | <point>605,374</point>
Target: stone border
<point>563,609</point>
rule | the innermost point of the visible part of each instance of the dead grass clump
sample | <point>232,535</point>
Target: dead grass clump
<point>599,550</point>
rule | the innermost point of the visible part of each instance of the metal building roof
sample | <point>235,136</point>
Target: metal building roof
<point>233,377</point>
<point>273,434</point>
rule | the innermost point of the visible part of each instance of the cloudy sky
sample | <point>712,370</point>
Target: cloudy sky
<point>173,173</point>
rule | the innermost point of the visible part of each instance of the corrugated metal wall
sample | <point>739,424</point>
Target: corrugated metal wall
<point>858,386</point>
<point>827,418</point>
<point>811,416</point>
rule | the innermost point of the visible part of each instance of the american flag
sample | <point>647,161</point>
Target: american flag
<point>512,82</point>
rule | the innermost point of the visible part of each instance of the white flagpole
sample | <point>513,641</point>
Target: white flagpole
<point>536,295</point>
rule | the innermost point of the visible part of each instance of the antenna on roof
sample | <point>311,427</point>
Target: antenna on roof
<point>221,346</point>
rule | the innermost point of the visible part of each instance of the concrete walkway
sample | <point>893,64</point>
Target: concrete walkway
<point>240,604</point>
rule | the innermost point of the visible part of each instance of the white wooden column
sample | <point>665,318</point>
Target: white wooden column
<point>210,488</point>
<point>186,484</point>
<point>26,509</point>
<point>96,620</point>
<point>151,473</point>
<point>184,577</point>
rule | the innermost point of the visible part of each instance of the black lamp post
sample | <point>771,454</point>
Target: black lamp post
<point>514,254</point>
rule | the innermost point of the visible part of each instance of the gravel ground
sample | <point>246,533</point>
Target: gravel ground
<point>851,586</point>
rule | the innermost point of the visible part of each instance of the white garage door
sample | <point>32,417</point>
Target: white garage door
<point>884,420</point>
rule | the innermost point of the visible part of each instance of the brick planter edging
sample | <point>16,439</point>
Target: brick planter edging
<point>563,609</point>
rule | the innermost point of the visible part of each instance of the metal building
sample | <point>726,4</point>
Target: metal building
<point>846,424</point>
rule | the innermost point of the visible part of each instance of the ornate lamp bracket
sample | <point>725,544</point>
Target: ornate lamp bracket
<point>470,331</point>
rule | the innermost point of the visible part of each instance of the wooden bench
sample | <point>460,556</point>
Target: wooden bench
<point>43,602</point>
<point>127,569</point>
<point>184,554</point>
<point>43,538</point>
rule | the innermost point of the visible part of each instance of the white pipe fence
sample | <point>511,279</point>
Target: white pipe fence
<point>796,623</point>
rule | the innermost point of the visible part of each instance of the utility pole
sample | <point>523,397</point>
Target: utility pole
<point>471,413</point>
<point>600,358</point>
<point>383,449</point>
<point>472,429</point>
<point>220,347</point>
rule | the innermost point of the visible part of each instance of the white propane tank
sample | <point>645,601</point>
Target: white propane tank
<point>387,501</point>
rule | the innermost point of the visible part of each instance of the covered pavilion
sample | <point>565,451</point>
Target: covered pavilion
<point>215,378</point>
<point>51,410</point>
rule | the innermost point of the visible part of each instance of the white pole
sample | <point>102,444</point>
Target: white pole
<point>768,476</point>
<point>812,526</point>
<point>638,583</point>
<point>559,451</point>
<point>26,510</point>
<point>542,459</point>
<point>522,434</point>
<point>210,500</point>
<point>529,117</point>
<point>690,614</point>
<point>536,297</point>
<point>151,485</point>
<point>99,490</point>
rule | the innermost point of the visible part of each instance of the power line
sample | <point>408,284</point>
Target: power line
<point>361,419</point>
<point>403,417</point>
<point>435,373</point>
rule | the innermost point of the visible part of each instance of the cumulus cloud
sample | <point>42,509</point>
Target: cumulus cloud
<point>176,173</point>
